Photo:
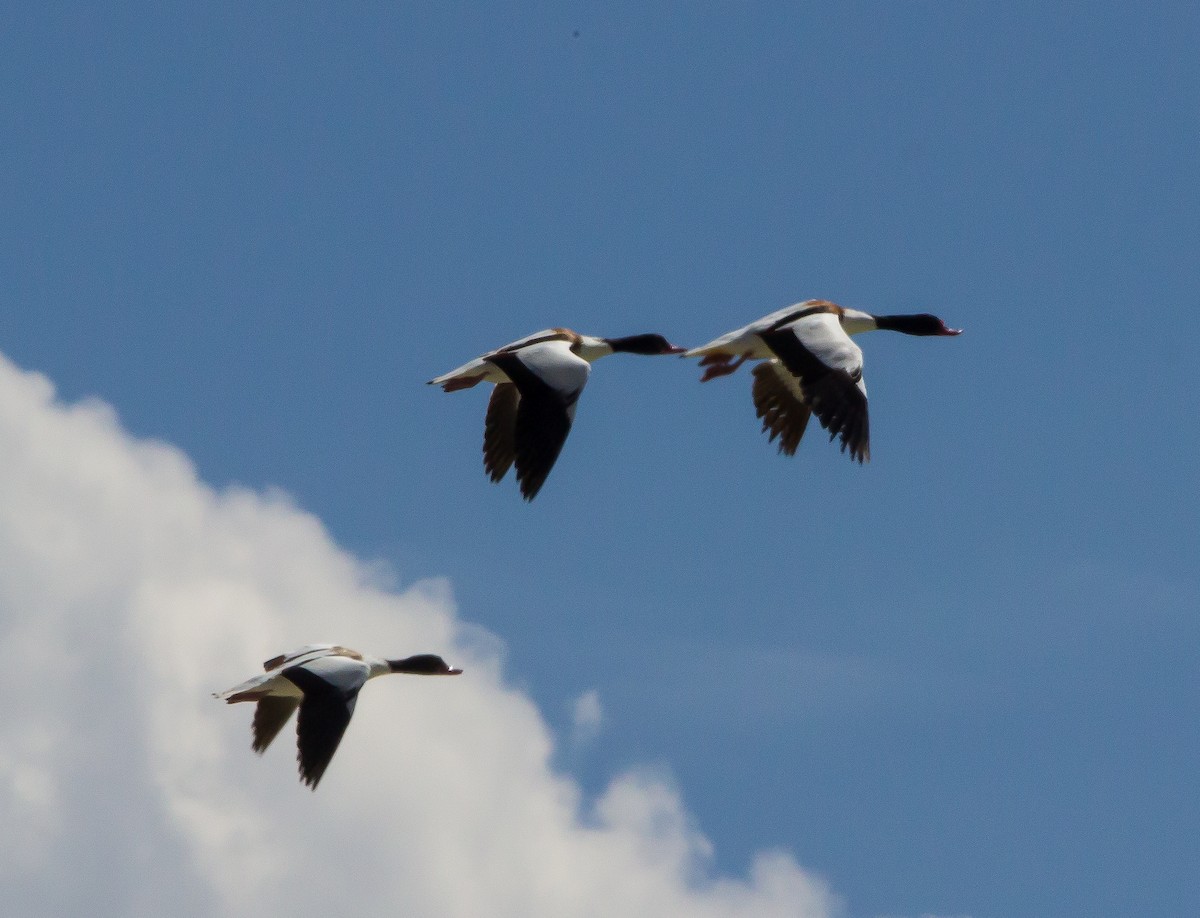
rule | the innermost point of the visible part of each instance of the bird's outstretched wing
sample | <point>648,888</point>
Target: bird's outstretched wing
<point>270,715</point>
<point>828,365</point>
<point>330,685</point>
<point>550,379</point>
<point>779,401</point>
<point>500,431</point>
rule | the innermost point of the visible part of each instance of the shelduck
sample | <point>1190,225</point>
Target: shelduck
<point>538,381</point>
<point>323,681</point>
<point>810,366</point>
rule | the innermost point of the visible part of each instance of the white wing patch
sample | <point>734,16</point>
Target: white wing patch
<point>343,673</point>
<point>557,366</point>
<point>822,334</point>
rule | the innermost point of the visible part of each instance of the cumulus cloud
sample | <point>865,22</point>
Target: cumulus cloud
<point>130,590</point>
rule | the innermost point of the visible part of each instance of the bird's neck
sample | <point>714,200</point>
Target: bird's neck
<point>591,348</point>
<point>921,324</point>
<point>855,321</point>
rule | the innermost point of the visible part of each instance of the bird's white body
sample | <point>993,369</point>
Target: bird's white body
<point>747,340</point>
<point>555,352</point>
<point>345,669</point>
<point>744,340</point>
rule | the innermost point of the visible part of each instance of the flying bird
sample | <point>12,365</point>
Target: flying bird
<point>538,381</point>
<point>810,366</point>
<point>323,681</point>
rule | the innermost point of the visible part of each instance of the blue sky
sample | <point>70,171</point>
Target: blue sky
<point>959,680</point>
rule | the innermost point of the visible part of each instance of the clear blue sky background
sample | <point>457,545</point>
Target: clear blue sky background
<point>961,679</point>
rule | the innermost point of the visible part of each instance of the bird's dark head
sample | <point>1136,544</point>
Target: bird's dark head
<point>923,324</point>
<point>423,664</point>
<point>644,344</point>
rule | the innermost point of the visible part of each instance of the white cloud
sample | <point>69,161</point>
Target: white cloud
<point>586,717</point>
<point>129,591</point>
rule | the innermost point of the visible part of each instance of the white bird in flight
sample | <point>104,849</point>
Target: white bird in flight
<point>538,382</point>
<point>323,681</point>
<point>810,367</point>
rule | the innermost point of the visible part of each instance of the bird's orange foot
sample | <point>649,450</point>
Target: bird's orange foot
<point>720,365</point>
